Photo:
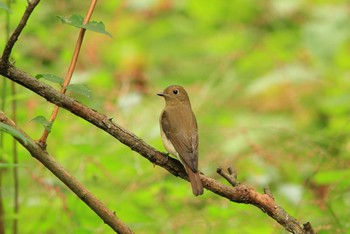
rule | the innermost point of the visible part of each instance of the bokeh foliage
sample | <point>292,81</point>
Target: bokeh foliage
<point>269,83</point>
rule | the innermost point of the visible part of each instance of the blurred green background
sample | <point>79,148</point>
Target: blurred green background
<point>269,83</point>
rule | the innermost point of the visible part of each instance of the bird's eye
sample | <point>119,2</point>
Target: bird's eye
<point>175,91</point>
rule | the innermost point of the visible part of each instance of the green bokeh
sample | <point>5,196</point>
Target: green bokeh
<point>269,84</point>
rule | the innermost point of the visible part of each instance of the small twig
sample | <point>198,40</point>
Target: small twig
<point>2,107</point>
<point>308,228</point>
<point>5,57</point>
<point>268,192</point>
<point>43,139</point>
<point>231,176</point>
<point>232,172</point>
<point>14,37</point>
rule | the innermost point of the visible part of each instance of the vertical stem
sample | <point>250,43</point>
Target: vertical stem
<point>15,163</point>
<point>2,214</point>
<point>2,107</point>
<point>43,139</point>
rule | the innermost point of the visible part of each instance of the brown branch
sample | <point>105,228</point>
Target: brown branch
<point>14,37</point>
<point>240,193</point>
<point>83,193</point>
<point>266,202</point>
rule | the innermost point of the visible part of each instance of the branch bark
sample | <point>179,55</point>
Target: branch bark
<point>239,194</point>
<point>83,193</point>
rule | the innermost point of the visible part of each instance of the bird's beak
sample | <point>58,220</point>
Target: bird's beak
<point>160,94</point>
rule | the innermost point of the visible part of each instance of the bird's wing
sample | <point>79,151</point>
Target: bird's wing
<point>184,141</point>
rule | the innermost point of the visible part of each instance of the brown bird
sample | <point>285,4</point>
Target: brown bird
<point>179,132</point>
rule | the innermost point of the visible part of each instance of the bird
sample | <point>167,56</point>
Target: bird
<point>179,132</point>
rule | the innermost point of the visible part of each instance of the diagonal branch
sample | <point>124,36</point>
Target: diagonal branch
<point>240,193</point>
<point>109,217</point>
<point>14,37</point>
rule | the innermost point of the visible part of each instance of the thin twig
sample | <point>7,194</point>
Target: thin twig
<point>268,192</point>
<point>109,217</point>
<point>2,107</point>
<point>231,177</point>
<point>14,37</point>
<point>2,214</point>
<point>232,172</point>
<point>308,228</point>
<point>15,162</point>
<point>43,139</point>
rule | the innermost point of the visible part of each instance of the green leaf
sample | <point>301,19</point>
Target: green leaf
<point>14,132</point>
<point>5,7</point>
<point>74,20</point>
<point>80,89</point>
<point>43,121</point>
<point>77,21</point>
<point>98,27</point>
<point>51,78</point>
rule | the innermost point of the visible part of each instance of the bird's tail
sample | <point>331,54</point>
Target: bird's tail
<point>196,183</point>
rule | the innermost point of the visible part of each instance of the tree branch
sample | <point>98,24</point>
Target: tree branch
<point>240,193</point>
<point>14,37</point>
<point>83,193</point>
